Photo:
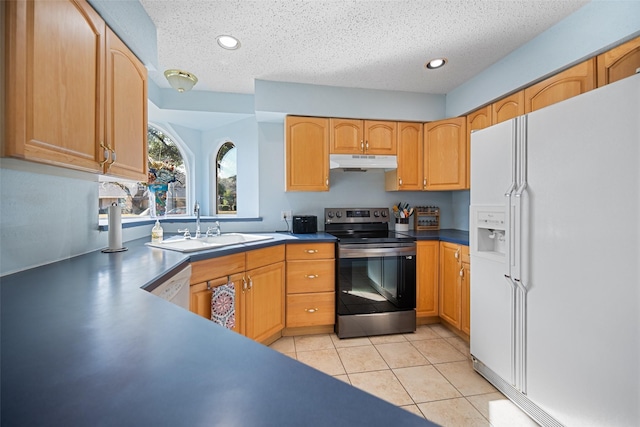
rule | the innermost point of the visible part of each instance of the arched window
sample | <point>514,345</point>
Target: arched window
<point>226,179</point>
<point>165,164</point>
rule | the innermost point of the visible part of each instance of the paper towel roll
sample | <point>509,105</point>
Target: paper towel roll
<point>115,227</point>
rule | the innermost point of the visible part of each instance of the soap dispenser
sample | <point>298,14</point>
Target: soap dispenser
<point>156,233</point>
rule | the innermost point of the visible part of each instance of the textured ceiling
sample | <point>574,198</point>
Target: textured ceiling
<point>348,43</point>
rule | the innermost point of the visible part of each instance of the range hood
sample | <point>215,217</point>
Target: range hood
<point>362,162</point>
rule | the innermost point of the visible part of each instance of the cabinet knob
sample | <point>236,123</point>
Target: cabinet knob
<point>250,283</point>
<point>311,310</point>
<point>362,145</point>
<point>311,251</point>
<point>400,181</point>
<point>366,146</point>
<point>457,254</point>
<point>311,276</point>
<point>424,182</point>
<point>462,272</point>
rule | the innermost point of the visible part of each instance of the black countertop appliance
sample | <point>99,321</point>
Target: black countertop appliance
<point>305,224</point>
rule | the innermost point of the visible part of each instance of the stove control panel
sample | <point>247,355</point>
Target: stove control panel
<point>356,215</point>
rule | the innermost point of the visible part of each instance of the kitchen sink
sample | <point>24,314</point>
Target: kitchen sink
<point>205,243</point>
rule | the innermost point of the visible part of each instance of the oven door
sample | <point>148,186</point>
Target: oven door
<point>376,278</point>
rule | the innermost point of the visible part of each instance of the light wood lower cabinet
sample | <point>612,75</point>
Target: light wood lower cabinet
<point>258,277</point>
<point>263,302</point>
<point>453,309</point>
<point>427,253</point>
<point>310,285</point>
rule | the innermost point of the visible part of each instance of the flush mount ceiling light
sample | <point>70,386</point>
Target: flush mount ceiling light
<point>182,81</point>
<point>436,63</point>
<point>228,42</point>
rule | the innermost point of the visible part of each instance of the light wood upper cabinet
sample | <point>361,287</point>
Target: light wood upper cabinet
<point>476,120</point>
<point>55,83</point>
<point>353,136</point>
<point>380,137</point>
<point>620,62</point>
<point>445,154</point>
<point>507,108</point>
<point>409,174</point>
<point>427,253</point>
<point>76,95</point>
<point>574,81</point>
<point>307,154</point>
<point>126,98</point>
<point>347,136</point>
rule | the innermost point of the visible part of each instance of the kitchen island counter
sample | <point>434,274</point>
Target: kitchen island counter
<point>83,344</point>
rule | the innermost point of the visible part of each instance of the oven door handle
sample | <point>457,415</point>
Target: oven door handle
<point>364,251</point>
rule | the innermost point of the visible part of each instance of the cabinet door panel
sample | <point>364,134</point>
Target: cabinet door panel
<point>347,136</point>
<point>264,302</point>
<point>567,84</point>
<point>507,108</point>
<point>450,283</point>
<point>618,63</point>
<point>380,137</point>
<point>427,278</point>
<point>477,120</point>
<point>465,306</point>
<point>410,156</point>
<point>445,154</point>
<point>55,74</point>
<point>307,154</point>
<point>126,111</point>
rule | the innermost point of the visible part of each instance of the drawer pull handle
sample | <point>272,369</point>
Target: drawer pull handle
<point>310,310</point>
<point>311,276</point>
<point>311,251</point>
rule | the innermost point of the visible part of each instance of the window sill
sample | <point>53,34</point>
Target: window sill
<point>103,223</point>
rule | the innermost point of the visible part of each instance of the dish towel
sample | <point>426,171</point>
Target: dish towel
<point>223,305</point>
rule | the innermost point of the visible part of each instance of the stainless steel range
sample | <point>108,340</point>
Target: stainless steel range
<point>376,273</point>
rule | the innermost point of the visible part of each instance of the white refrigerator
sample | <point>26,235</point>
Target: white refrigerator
<point>555,258</point>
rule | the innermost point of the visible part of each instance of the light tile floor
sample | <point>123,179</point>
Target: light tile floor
<point>428,372</point>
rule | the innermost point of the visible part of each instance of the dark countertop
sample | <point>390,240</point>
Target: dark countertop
<point>450,235</point>
<point>83,344</point>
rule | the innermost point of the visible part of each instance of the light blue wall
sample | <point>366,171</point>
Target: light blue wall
<point>274,100</point>
<point>592,29</point>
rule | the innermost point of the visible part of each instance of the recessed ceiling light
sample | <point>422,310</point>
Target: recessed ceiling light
<point>228,42</point>
<point>436,63</point>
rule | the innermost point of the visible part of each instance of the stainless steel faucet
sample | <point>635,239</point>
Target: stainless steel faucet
<point>196,211</point>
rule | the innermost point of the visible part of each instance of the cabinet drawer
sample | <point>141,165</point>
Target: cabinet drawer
<point>265,256</point>
<point>310,309</point>
<point>305,251</point>
<point>316,276</point>
<point>216,267</point>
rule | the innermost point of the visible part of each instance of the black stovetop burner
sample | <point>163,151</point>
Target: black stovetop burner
<point>361,225</point>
